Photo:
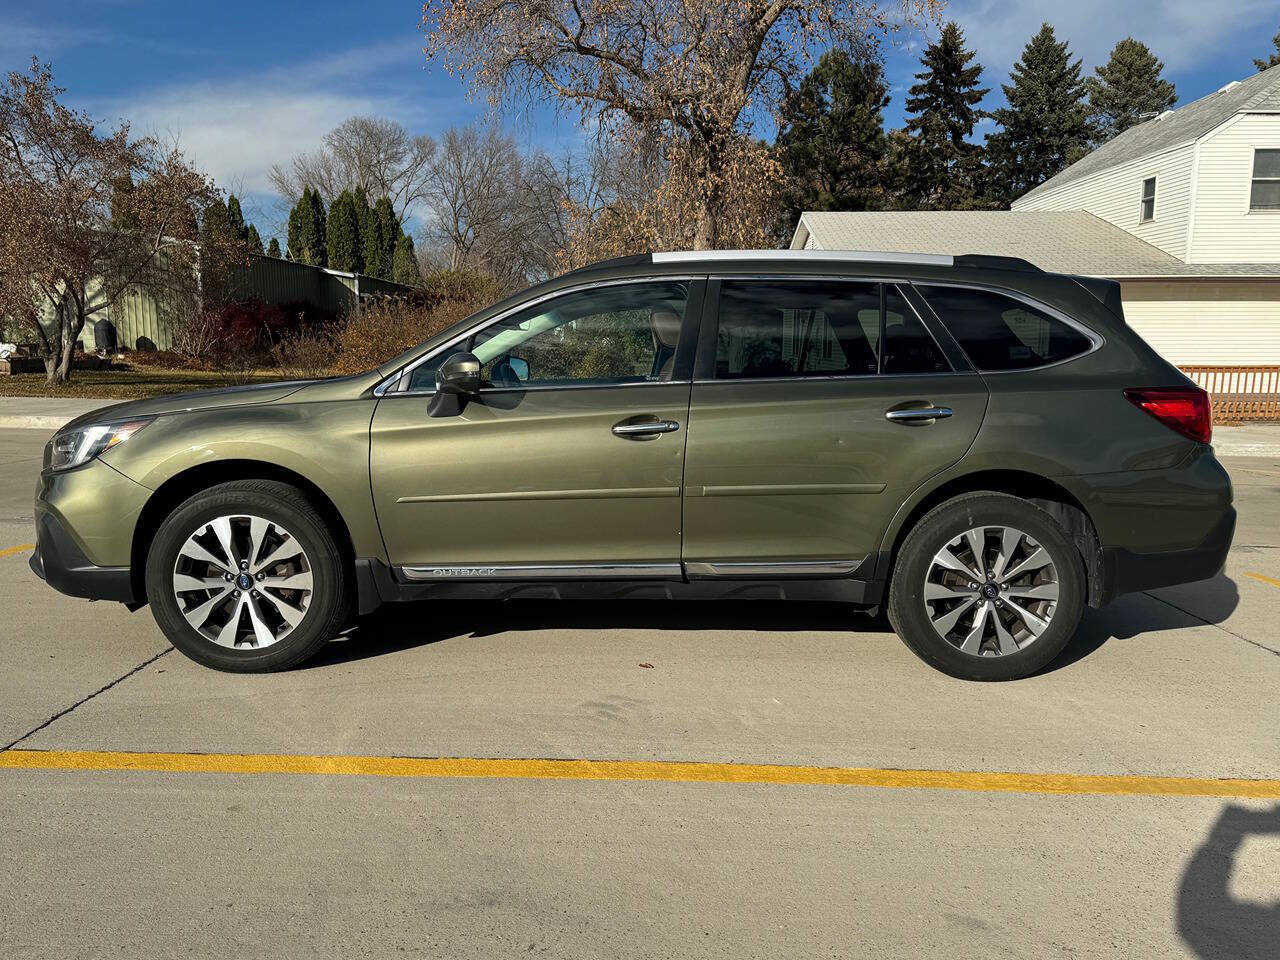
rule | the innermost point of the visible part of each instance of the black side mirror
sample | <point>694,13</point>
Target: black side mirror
<point>457,381</point>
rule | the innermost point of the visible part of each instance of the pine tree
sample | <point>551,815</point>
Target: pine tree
<point>344,235</point>
<point>235,219</point>
<point>944,169</point>
<point>253,240</point>
<point>273,248</point>
<point>380,240</point>
<point>1274,59</point>
<point>1046,124</point>
<point>364,219</point>
<point>1127,89</point>
<point>215,223</point>
<point>405,263</point>
<point>831,140</point>
<point>308,241</point>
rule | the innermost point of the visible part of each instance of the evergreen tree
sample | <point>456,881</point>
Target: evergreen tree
<point>1274,59</point>
<point>364,218</point>
<point>215,224</point>
<point>380,241</point>
<point>253,240</point>
<point>273,248</point>
<point>345,252</point>
<point>944,169</point>
<point>831,140</point>
<point>1127,88</point>
<point>308,241</point>
<point>1046,124</point>
<point>235,219</point>
<point>405,263</point>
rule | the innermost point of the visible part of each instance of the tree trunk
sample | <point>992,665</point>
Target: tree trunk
<point>58,370</point>
<point>704,230</point>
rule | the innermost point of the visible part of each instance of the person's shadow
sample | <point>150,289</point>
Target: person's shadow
<point>1210,920</point>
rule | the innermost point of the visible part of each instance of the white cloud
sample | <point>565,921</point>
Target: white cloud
<point>1185,34</point>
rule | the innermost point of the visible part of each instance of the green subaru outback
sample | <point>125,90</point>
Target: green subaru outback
<point>979,446</point>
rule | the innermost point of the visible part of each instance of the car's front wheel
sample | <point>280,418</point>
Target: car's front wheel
<point>987,587</point>
<point>246,577</point>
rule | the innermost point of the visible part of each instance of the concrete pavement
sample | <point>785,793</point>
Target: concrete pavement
<point>160,864</point>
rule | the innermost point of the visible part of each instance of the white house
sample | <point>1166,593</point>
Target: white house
<point>1183,209</point>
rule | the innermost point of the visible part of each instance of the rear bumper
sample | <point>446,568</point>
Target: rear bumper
<point>59,562</point>
<point>1125,571</point>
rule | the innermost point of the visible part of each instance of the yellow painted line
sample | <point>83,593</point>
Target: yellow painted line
<point>1264,578</point>
<point>20,548</point>
<point>636,770</point>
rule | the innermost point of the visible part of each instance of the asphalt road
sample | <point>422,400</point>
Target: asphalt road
<point>134,863</point>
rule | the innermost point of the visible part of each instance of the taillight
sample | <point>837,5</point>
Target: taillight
<point>1184,409</point>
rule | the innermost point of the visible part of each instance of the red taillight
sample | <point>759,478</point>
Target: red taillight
<point>1184,409</point>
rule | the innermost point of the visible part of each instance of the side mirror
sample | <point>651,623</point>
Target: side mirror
<point>460,375</point>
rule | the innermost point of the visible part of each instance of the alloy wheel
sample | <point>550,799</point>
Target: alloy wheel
<point>991,591</point>
<point>242,581</point>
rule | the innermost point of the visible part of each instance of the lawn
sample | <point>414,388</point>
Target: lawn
<point>129,383</point>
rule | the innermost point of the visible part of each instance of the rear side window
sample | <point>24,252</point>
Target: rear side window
<point>1001,333</point>
<point>797,328</point>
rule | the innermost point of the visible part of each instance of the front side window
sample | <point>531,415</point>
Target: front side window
<point>1264,194</point>
<point>998,332</point>
<point>604,336</point>
<point>1148,211</point>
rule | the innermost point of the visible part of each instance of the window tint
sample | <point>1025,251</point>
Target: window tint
<point>1001,333</point>
<point>790,328</point>
<point>609,335</point>
<point>908,346</point>
<point>1264,193</point>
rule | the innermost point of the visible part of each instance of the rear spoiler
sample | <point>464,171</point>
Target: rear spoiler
<point>1107,292</point>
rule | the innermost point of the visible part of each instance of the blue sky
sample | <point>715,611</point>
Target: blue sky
<point>245,85</point>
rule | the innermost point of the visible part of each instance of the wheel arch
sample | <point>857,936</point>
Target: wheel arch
<point>185,484</point>
<point>1051,497</point>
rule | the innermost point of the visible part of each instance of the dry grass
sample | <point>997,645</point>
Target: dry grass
<point>125,384</point>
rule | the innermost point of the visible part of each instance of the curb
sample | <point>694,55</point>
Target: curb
<point>33,422</point>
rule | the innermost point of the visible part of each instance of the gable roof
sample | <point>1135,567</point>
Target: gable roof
<point>1069,241</point>
<point>1174,127</point>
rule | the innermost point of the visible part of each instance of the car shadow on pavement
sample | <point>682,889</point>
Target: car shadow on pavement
<point>400,626</point>
<point>1212,920</point>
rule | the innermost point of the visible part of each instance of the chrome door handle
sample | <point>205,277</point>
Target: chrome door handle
<point>652,428</point>
<point>917,414</point>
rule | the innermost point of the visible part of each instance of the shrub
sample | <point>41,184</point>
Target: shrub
<point>241,334</point>
<point>306,355</point>
<point>387,327</point>
<point>460,285</point>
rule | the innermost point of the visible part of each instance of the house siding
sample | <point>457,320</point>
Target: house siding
<point>1225,231</point>
<point>1115,195</point>
<point>1198,321</point>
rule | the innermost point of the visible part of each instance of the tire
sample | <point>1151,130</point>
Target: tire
<point>1026,621</point>
<point>297,593</point>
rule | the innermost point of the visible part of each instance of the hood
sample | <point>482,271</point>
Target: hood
<point>199,400</point>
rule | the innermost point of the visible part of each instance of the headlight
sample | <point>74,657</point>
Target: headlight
<point>74,447</point>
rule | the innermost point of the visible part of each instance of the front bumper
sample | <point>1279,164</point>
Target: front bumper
<point>59,562</point>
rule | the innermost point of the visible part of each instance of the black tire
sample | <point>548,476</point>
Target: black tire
<point>279,503</point>
<point>939,527</point>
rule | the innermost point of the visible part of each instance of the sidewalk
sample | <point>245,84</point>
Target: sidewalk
<point>49,413</point>
<point>45,413</point>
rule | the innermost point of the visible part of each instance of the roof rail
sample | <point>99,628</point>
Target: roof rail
<point>984,261</point>
<point>854,256</point>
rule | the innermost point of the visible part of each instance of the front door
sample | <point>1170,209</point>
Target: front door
<point>570,461</point>
<point>809,425</point>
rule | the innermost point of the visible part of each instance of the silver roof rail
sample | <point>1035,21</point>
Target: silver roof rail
<point>803,256</point>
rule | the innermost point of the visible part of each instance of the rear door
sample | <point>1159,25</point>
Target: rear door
<point>570,461</point>
<point>818,406</point>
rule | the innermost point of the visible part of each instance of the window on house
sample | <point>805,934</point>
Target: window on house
<point>1148,199</point>
<point>1265,193</point>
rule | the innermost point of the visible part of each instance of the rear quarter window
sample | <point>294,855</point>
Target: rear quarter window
<point>1001,333</point>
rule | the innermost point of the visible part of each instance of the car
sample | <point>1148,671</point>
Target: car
<point>977,446</point>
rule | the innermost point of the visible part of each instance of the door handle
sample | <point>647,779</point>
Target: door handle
<point>649,428</point>
<point>917,414</point>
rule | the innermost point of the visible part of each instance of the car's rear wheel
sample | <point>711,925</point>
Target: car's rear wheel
<point>987,587</point>
<point>246,577</point>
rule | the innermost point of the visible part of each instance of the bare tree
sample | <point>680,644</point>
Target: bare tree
<point>373,152</point>
<point>85,217</point>
<point>690,71</point>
